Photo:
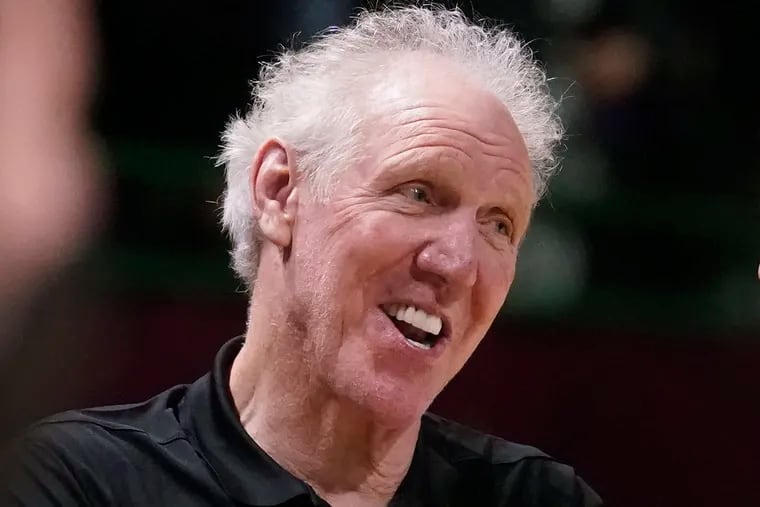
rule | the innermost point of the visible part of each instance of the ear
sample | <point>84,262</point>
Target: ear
<point>273,187</point>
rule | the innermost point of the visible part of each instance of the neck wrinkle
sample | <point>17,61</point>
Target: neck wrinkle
<point>331,444</point>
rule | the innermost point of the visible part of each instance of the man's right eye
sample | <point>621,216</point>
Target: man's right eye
<point>418,193</point>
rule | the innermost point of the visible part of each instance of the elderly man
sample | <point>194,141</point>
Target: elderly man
<point>378,192</point>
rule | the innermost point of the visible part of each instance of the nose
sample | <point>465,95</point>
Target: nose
<point>449,258</point>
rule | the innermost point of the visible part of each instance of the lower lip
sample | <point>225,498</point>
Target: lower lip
<point>402,345</point>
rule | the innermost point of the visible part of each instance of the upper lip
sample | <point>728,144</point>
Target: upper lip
<point>428,308</point>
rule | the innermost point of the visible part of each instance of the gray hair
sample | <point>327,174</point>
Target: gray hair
<point>303,97</point>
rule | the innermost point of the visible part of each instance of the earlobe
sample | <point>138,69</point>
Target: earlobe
<point>275,225</point>
<point>274,193</point>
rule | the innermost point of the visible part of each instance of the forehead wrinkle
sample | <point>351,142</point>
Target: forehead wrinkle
<point>444,128</point>
<point>499,141</point>
<point>444,140</point>
<point>511,165</point>
<point>399,158</point>
<point>499,154</point>
<point>501,160</point>
<point>445,122</point>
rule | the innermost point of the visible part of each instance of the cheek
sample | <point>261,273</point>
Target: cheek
<point>494,281</point>
<point>337,253</point>
<point>488,297</point>
<point>370,244</point>
<point>503,277</point>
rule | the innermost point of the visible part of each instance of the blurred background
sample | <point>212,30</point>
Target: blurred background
<point>629,346</point>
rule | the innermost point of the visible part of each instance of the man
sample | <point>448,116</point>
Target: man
<point>377,194</point>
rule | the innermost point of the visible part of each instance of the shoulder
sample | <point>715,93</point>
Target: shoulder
<point>153,420</point>
<point>91,453</point>
<point>462,443</point>
<point>507,469</point>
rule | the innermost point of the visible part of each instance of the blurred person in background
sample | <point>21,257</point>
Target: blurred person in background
<point>377,194</point>
<point>52,204</point>
<point>50,190</point>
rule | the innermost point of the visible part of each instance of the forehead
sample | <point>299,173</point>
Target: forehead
<point>417,79</point>
<point>429,109</point>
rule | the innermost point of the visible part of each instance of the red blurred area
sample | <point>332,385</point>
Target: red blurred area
<point>647,420</point>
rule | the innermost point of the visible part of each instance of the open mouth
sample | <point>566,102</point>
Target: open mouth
<point>421,329</point>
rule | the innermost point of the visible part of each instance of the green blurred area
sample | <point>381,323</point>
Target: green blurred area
<point>180,251</point>
<point>651,223</point>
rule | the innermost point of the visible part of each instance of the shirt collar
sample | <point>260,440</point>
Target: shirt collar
<point>251,476</point>
<point>209,417</point>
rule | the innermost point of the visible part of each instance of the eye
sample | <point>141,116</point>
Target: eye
<point>418,193</point>
<point>503,227</point>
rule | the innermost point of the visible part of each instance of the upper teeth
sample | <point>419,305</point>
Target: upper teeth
<point>416,317</point>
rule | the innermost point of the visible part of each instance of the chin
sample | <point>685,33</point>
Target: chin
<point>389,401</point>
<point>376,371</point>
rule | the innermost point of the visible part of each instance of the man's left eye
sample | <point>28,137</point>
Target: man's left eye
<point>503,227</point>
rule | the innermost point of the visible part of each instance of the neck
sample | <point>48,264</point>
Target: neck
<point>335,446</point>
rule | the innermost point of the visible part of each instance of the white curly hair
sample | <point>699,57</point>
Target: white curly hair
<point>309,98</point>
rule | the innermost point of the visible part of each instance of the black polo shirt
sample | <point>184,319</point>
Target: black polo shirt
<point>187,448</point>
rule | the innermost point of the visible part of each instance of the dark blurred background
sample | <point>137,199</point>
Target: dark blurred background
<point>629,346</point>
